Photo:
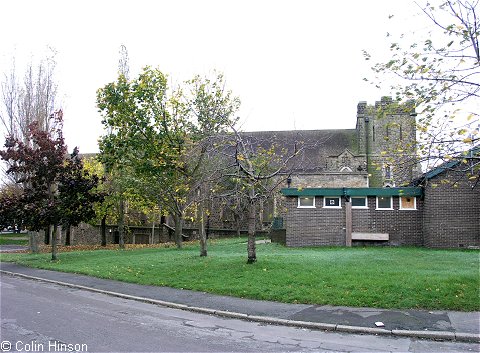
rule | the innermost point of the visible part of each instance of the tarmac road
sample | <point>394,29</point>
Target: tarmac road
<point>44,317</point>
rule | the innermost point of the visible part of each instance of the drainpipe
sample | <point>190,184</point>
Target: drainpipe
<point>367,142</point>
<point>348,218</point>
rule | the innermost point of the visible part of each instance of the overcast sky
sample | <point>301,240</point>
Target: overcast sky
<point>294,64</point>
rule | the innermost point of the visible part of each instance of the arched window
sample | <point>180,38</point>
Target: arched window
<point>388,172</point>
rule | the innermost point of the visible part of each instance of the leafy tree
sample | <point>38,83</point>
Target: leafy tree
<point>10,212</point>
<point>164,137</point>
<point>78,194</point>
<point>440,74</point>
<point>53,188</point>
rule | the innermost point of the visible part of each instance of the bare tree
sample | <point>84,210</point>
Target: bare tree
<point>260,167</point>
<point>28,100</point>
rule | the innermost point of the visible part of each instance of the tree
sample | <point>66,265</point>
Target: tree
<point>55,190</point>
<point>78,194</point>
<point>164,136</point>
<point>31,100</point>
<point>260,167</point>
<point>10,212</point>
<point>441,75</point>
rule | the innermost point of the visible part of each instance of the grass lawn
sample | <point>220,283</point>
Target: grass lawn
<point>13,239</point>
<point>369,277</point>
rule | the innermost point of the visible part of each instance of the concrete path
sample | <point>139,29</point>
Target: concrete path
<point>443,325</point>
<point>12,248</point>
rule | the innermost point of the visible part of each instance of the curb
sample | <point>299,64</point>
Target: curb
<point>431,335</point>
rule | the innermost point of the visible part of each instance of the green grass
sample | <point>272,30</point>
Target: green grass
<point>369,277</point>
<point>11,239</point>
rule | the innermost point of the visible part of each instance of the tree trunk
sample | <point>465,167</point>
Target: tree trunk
<point>201,228</point>
<point>236,217</point>
<point>178,230</point>
<point>121,224</point>
<point>54,243</point>
<point>47,235</point>
<point>68,229</point>
<point>252,253</point>
<point>33,242</point>
<point>161,236</point>
<point>104,230</point>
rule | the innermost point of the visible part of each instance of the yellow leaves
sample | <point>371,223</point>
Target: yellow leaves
<point>467,140</point>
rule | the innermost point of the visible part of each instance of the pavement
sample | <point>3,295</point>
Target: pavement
<point>437,325</point>
<point>12,248</point>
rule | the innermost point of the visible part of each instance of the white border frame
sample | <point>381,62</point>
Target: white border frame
<point>360,207</point>
<point>384,209</point>
<point>300,197</point>
<point>407,209</point>
<point>332,197</point>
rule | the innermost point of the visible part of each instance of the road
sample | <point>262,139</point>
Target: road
<point>37,316</point>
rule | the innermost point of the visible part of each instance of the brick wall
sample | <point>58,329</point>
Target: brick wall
<point>326,226</point>
<point>314,226</point>
<point>403,226</point>
<point>452,214</point>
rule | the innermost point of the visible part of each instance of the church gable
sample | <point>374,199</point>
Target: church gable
<point>346,162</point>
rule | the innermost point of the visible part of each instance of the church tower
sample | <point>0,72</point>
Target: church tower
<point>386,135</point>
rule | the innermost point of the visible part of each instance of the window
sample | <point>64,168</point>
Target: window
<point>306,201</point>
<point>332,202</point>
<point>408,203</point>
<point>384,203</point>
<point>359,202</point>
<point>388,172</point>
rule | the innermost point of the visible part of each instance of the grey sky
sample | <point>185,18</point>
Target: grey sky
<point>294,64</point>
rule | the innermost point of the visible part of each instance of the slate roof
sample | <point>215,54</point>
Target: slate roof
<point>318,144</point>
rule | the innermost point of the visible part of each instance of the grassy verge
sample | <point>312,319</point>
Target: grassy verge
<point>13,239</point>
<point>370,277</point>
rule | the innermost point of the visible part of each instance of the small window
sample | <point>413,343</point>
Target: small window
<point>306,201</point>
<point>384,203</point>
<point>388,172</point>
<point>359,202</point>
<point>408,203</point>
<point>333,202</point>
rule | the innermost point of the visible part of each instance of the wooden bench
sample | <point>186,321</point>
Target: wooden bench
<point>369,236</point>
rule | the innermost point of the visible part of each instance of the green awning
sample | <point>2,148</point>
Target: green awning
<point>405,191</point>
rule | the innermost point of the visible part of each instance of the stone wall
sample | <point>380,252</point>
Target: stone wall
<point>330,180</point>
<point>387,132</point>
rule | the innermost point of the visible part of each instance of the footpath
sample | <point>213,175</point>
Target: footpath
<point>437,325</point>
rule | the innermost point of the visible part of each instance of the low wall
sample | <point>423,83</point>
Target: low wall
<point>86,234</point>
